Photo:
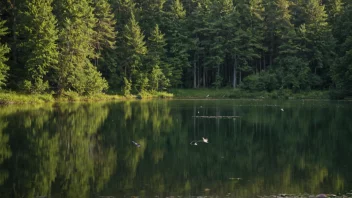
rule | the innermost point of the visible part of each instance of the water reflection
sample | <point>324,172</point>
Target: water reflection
<point>86,150</point>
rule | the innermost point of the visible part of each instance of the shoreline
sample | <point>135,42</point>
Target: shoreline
<point>12,98</point>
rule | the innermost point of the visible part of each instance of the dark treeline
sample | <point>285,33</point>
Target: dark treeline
<point>88,46</point>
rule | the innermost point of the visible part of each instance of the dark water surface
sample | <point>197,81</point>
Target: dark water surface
<point>85,150</point>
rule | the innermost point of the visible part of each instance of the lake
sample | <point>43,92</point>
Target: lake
<point>86,150</point>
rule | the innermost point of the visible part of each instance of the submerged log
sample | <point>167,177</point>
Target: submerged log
<point>216,117</point>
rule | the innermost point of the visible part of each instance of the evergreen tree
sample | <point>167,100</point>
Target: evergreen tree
<point>277,22</point>
<point>199,22</point>
<point>123,10</point>
<point>76,45</point>
<point>3,51</point>
<point>105,39</point>
<point>333,9</point>
<point>177,37</point>
<point>133,50</point>
<point>319,42</point>
<point>39,44</point>
<point>292,70</point>
<point>342,70</point>
<point>151,14</point>
<point>157,62</point>
<point>250,35</point>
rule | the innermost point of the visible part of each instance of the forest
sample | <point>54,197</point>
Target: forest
<point>131,46</point>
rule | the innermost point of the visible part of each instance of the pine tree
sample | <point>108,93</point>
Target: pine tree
<point>342,69</point>
<point>105,39</point>
<point>177,37</point>
<point>39,45</point>
<point>3,51</point>
<point>151,14</point>
<point>291,68</point>
<point>319,42</point>
<point>123,10</point>
<point>277,22</point>
<point>333,9</point>
<point>133,50</point>
<point>200,23</point>
<point>76,45</point>
<point>157,62</point>
<point>250,35</point>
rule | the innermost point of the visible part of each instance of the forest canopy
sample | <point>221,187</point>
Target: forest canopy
<point>90,46</point>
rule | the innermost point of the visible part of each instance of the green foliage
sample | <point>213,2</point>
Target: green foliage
<point>38,87</point>
<point>218,82</point>
<point>15,98</point>
<point>77,33</point>
<point>293,73</point>
<point>159,69</point>
<point>297,45</point>
<point>158,81</point>
<point>178,39</point>
<point>342,69</point>
<point>264,81</point>
<point>4,49</point>
<point>133,48</point>
<point>39,45</point>
<point>127,86</point>
<point>105,39</point>
<point>142,83</point>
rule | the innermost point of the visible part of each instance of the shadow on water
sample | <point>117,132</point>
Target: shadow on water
<point>86,150</point>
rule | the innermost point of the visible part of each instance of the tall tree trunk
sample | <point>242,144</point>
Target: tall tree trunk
<point>271,47</point>
<point>234,73</point>
<point>195,73</point>
<point>198,76</point>
<point>260,64</point>
<point>240,76</point>
<point>14,23</point>
<point>203,77</point>
<point>264,61</point>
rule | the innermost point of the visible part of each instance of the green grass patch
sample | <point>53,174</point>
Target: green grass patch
<point>70,96</point>
<point>244,94</point>
<point>154,94</point>
<point>18,98</point>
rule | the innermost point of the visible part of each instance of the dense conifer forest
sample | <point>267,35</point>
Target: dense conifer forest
<point>90,46</point>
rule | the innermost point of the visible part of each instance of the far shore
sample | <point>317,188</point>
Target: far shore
<point>202,93</point>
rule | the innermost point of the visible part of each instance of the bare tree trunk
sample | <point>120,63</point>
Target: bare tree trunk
<point>271,48</point>
<point>260,64</point>
<point>264,62</point>
<point>198,76</point>
<point>240,76</point>
<point>203,77</point>
<point>234,73</point>
<point>194,73</point>
<point>14,18</point>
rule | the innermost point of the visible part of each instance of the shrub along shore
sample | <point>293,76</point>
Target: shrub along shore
<point>21,98</point>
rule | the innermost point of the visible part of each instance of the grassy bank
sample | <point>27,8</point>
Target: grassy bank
<point>20,98</point>
<point>242,94</point>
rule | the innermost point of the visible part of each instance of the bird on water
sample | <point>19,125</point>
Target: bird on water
<point>195,142</point>
<point>205,140</point>
<point>136,144</point>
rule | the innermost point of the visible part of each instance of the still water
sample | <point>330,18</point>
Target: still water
<point>85,150</point>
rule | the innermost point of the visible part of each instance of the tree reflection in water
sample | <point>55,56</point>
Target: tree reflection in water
<point>85,150</point>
